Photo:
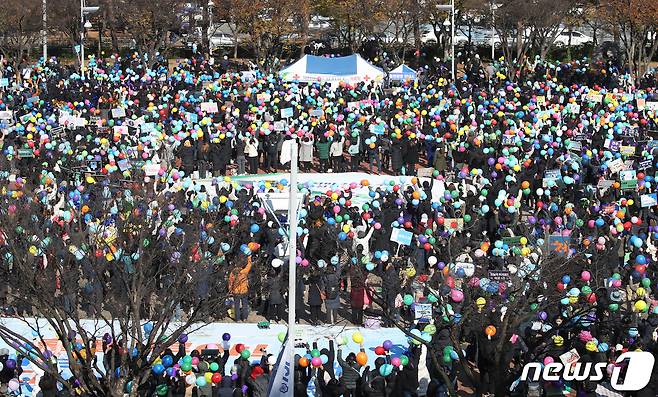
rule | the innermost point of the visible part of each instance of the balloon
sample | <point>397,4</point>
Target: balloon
<point>226,337</point>
<point>245,354</point>
<point>357,337</point>
<point>182,338</point>
<point>167,361</point>
<point>490,331</point>
<point>408,299</point>
<point>214,367</point>
<point>216,378</point>
<point>281,336</point>
<point>548,360</point>
<point>380,351</point>
<point>201,381</point>
<point>158,369</point>
<point>190,379</point>
<point>456,295</point>
<point>316,362</point>
<point>361,358</point>
<point>404,360</point>
<point>385,369</point>
<point>585,275</point>
<point>161,390</point>
<point>387,345</point>
<point>395,361</point>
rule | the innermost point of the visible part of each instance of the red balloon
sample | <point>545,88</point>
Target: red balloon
<point>427,246</point>
<point>379,350</point>
<point>450,282</point>
<point>216,377</point>
<point>408,225</point>
<point>239,347</point>
<point>560,286</point>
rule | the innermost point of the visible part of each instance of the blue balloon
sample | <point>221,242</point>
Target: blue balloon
<point>158,369</point>
<point>255,228</point>
<point>566,279</point>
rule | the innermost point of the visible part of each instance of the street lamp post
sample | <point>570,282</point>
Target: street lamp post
<point>44,31</point>
<point>451,8</point>
<point>84,25</point>
<point>210,27</point>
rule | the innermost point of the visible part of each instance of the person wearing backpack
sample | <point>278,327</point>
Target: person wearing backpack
<point>332,289</point>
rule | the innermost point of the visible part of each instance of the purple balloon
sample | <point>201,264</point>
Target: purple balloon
<point>182,338</point>
<point>387,344</point>
<point>11,363</point>
<point>226,337</point>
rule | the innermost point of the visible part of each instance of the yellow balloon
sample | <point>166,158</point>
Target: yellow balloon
<point>357,337</point>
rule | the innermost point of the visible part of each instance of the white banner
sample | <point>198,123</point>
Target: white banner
<point>258,341</point>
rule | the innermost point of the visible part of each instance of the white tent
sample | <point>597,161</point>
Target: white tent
<point>350,69</point>
<point>402,73</point>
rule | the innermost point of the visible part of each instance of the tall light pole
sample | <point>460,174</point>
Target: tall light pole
<point>451,8</point>
<point>84,25</point>
<point>44,31</point>
<point>210,27</point>
<point>452,38</point>
<point>493,31</point>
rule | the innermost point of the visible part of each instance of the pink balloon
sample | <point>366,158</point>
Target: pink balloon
<point>558,220</point>
<point>195,360</point>
<point>585,275</point>
<point>548,360</point>
<point>616,283</point>
<point>456,295</point>
<point>316,361</point>
<point>395,361</point>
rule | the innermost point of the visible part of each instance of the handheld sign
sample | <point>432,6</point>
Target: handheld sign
<point>286,113</point>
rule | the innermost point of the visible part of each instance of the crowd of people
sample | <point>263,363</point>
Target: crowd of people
<point>492,177</point>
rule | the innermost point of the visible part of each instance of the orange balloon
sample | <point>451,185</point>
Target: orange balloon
<point>416,195</point>
<point>414,180</point>
<point>525,184</point>
<point>361,358</point>
<point>490,330</point>
<point>303,362</point>
<point>365,182</point>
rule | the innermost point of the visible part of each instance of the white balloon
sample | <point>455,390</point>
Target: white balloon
<point>432,260</point>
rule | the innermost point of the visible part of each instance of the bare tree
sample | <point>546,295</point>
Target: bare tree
<point>20,23</point>
<point>142,270</point>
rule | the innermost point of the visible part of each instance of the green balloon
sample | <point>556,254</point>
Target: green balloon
<point>432,298</point>
<point>281,336</point>
<point>408,299</point>
<point>613,307</point>
<point>646,283</point>
<point>315,353</point>
<point>186,366</point>
<point>161,390</point>
<point>187,359</point>
<point>404,360</point>
<point>447,359</point>
<point>214,367</point>
<point>245,354</point>
<point>467,218</point>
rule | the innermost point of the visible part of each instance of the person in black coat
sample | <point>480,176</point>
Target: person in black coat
<point>315,291</point>
<point>187,154</point>
<point>274,286</point>
<point>411,157</point>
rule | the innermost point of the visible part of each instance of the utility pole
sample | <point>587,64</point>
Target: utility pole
<point>44,31</point>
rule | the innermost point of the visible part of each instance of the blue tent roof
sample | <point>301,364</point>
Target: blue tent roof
<point>402,72</point>
<point>341,66</point>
